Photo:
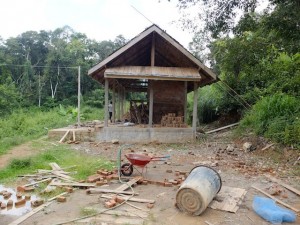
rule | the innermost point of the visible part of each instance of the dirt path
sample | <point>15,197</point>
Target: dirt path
<point>20,151</point>
<point>236,167</point>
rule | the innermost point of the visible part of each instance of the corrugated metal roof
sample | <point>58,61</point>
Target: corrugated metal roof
<point>155,73</point>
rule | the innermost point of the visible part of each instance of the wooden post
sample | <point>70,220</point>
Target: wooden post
<point>150,104</point>
<point>122,101</point>
<point>119,103</point>
<point>106,103</point>
<point>78,100</point>
<point>153,51</point>
<point>185,102</point>
<point>150,84</point>
<point>195,109</point>
<point>114,102</point>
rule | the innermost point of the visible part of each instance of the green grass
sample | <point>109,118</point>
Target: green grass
<point>276,117</point>
<point>62,155</point>
<point>28,124</point>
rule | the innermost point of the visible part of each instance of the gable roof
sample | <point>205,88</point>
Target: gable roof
<point>137,53</point>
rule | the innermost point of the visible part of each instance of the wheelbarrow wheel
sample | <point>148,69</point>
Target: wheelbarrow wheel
<point>127,169</point>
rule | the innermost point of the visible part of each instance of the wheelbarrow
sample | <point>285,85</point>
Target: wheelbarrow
<point>138,160</point>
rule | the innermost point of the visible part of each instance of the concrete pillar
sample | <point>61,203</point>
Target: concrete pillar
<point>195,109</point>
<point>150,104</point>
<point>185,102</point>
<point>106,103</point>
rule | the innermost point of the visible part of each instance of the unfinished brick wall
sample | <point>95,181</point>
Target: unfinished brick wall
<point>168,97</point>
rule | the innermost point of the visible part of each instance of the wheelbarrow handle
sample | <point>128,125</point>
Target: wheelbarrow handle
<point>161,157</point>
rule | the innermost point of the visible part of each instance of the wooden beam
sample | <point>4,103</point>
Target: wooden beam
<point>119,103</point>
<point>106,103</point>
<point>195,109</point>
<point>153,50</point>
<point>114,102</point>
<point>26,216</point>
<point>150,104</point>
<point>72,184</point>
<point>101,190</point>
<point>63,138</point>
<point>185,102</point>
<point>277,200</point>
<point>132,199</point>
<point>222,128</point>
<point>37,182</point>
<point>125,186</point>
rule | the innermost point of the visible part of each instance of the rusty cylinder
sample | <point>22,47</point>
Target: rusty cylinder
<point>198,190</point>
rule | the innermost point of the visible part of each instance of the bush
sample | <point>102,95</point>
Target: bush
<point>276,117</point>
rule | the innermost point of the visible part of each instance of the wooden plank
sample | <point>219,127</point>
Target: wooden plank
<point>268,146</point>
<point>55,166</point>
<point>132,199</point>
<point>221,128</point>
<point>55,197</point>
<point>283,184</point>
<point>230,199</point>
<point>277,200</point>
<point>34,211</point>
<point>37,182</point>
<point>125,186</point>
<point>53,183</point>
<point>101,190</point>
<point>74,136</point>
<point>63,138</point>
<point>61,175</point>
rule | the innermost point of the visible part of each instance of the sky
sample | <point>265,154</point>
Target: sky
<point>98,19</point>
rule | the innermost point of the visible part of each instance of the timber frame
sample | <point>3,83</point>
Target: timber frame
<point>151,57</point>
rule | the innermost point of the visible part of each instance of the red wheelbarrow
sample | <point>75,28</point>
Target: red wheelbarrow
<point>138,160</point>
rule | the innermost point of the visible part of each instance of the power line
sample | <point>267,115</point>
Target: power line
<point>142,14</point>
<point>64,67</point>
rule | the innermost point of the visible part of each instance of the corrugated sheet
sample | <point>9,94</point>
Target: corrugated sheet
<point>148,72</point>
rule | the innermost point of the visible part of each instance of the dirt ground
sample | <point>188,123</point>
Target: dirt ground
<point>236,167</point>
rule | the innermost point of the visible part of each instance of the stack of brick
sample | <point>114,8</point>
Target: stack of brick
<point>171,120</point>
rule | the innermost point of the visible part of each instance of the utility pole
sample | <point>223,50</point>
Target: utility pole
<point>78,110</point>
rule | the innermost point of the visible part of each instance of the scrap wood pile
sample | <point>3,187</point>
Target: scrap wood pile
<point>138,113</point>
<point>171,120</point>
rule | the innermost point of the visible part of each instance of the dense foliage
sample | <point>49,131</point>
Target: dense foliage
<point>41,68</point>
<point>257,58</point>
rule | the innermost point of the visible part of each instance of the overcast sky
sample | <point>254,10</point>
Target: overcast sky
<point>98,19</point>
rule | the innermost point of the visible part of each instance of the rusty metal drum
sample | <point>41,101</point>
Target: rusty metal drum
<point>198,190</point>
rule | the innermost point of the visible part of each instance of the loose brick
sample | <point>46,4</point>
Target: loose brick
<point>161,183</point>
<point>167,184</point>
<point>37,202</point>
<point>145,182</point>
<point>19,195</point>
<point>101,182</point>
<point>93,178</point>
<point>20,188</point>
<point>177,173</point>
<point>20,202</point>
<point>29,189</point>
<point>108,204</point>
<point>3,205</point>
<point>61,199</point>
<point>10,202</point>
<point>69,189</point>
<point>120,199</point>
<point>113,202</point>
<point>27,197</point>
<point>150,205</point>
<point>6,195</point>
